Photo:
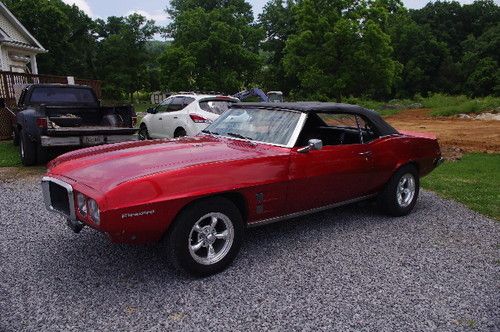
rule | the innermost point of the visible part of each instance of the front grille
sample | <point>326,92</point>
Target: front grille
<point>59,198</point>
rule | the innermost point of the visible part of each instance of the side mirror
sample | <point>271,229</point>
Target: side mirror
<point>313,144</point>
<point>151,111</point>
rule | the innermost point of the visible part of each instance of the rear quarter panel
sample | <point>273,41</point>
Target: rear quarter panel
<point>392,152</point>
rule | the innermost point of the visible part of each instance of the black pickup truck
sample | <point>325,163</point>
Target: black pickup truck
<point>48,116</point>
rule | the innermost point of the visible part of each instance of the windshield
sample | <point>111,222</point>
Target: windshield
<point>261,125</point>
<point>56,95</point>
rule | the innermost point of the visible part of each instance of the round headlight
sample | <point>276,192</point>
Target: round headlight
<point>81,201</point>
<point>94,211</point>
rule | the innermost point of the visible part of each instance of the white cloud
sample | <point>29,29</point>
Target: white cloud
<point>158,16</point>
<point>82,4</point>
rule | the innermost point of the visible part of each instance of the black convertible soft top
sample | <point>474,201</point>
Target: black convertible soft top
<point>317,107</point>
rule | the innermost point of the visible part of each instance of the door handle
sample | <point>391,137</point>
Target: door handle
<point>365,154</point>
<point>160,118</point>
<point>175,117</point>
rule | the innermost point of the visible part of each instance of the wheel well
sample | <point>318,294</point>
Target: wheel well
<point>179,128</point>
<point>236,198</point>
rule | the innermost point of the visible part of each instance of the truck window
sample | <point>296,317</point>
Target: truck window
<point>55,95</point>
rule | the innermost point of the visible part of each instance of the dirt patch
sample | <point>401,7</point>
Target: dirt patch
<point>456,135</point>
<point>14,173</point>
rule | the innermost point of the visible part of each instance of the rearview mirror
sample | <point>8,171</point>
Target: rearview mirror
<point>151,111</point>
<point>312,144</point>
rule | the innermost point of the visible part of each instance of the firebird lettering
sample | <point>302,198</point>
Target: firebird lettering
<point>138,214</point>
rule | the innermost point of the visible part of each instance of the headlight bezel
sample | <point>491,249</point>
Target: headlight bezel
<point>81,204</point>
<point>87,208</point>
<point>94,213</point>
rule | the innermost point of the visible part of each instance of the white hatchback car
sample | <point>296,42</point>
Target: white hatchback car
<point>183,115</point>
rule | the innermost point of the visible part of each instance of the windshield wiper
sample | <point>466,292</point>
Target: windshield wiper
<point>239,136</point>
<point>209,132</point>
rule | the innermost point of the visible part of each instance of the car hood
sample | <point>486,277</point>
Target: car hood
<point>102,168</point>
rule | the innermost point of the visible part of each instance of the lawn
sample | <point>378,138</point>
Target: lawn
<point>444,105</point>
<point>473,181</point>
<point>9,156</point>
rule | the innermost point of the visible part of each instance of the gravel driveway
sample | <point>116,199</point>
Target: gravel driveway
<point>348,269</point>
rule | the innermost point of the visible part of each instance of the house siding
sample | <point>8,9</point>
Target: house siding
<point>11,31</point>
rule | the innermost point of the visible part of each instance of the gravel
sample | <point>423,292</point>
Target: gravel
<point>348,269</point>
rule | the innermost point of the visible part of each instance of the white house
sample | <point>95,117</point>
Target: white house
<point>18,48</point>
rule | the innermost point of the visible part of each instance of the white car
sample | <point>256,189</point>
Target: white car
<point>183,115</point>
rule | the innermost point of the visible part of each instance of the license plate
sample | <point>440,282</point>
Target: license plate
<point>93,140</point>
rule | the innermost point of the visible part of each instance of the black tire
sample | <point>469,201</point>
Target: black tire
<point>182,235</point>
<point>15,137</point>
<point>27,149</point>
<point>143,133</point>
<point>388,200</point>
<point>180,132</point>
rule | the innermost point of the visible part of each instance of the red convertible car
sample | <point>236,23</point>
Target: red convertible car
<point>257,163</point>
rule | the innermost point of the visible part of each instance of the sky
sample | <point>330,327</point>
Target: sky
<point>154,9</point>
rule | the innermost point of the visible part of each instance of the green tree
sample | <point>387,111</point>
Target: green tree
<point>480,63</point>
<point>215,46</point>
<point>65,31</point>
<point>339,50</point>
<point>423,57</point>
<point>122,55</point>
<point>278,22</point>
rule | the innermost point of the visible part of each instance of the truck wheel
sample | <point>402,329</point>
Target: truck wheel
<point>401,192</point>
<point>206,237</point>
<point>27,149</point>
<point>143,133</point>
<point>15,136</point>
<point>180,132</point>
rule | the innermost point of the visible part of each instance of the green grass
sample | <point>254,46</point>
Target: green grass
<point>444,105</point>
<point>9,156</point>
<point>474,181</point>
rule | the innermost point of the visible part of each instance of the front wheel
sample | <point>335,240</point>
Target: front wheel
<point>401,192</point>
<point>206,237</point>
<point>143,133</point>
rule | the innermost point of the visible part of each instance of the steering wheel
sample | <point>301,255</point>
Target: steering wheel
<point>341,138</point>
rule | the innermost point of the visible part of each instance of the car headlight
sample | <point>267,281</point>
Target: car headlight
<point>94,211</point>
<point>81,202</point>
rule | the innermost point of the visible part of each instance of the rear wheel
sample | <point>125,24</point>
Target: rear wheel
<point>15,136</point>
<point>180,132</point>
<point>143,133</point>
<point>401,192</point>
<point>206,237</point>
<point>27,149</point>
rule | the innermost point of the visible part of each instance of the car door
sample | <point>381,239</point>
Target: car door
<point>155,127</point>
<point>174,117</point>
<point>339,172</point>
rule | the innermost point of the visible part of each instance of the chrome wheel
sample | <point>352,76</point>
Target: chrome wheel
<point>405,190</point>
<point>211,238</point>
